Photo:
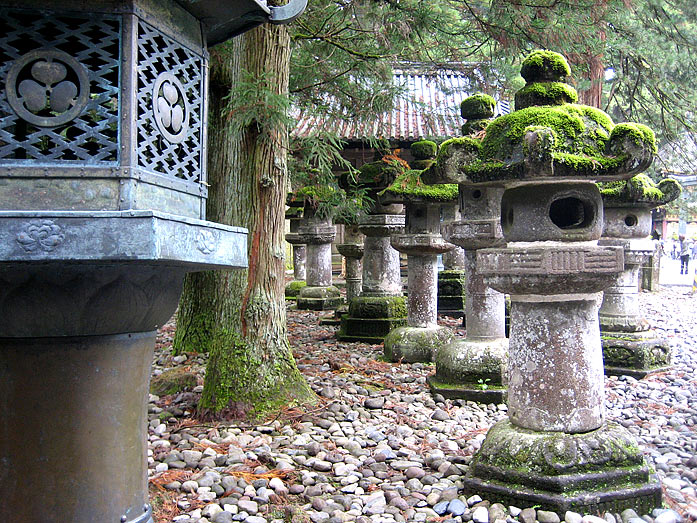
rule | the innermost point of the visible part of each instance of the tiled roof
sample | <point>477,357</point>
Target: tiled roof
<point>428,107</point>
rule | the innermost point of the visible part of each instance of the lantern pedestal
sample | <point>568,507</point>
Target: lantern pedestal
<point>81,298</point>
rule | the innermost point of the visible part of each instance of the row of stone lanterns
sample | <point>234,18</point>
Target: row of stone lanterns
<point>531,226</point>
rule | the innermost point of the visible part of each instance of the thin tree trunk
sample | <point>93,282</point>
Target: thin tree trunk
<point>251,369</point>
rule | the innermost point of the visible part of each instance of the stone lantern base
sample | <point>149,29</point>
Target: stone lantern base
<point>636,354</point>
<point>371,318</point>
<point>412,344</point>
<point>293,288</point>
<point>451,293</point>
<point>319,298</point>
<point>593,472</point>
<point>471,370</point>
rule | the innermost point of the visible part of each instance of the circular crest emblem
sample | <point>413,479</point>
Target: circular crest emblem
<point>47,87</point>
<point>170,107</point>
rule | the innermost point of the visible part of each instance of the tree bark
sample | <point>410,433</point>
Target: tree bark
<point>251,369</point>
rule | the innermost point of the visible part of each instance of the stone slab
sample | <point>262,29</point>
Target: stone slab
<point>119,236</point>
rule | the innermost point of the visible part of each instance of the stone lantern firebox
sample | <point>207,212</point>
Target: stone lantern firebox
<point>102,191</point>
<point>555,450</point>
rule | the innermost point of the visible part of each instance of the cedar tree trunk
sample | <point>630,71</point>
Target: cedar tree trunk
<point>242,314</point>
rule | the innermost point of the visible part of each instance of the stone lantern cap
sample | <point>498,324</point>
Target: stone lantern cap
<point>639,191</point>
<point>547,139</point>
<point>409,187</point>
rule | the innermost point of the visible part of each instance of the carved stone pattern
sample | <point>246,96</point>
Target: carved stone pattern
<point>207,242</point>
<point>40,235</point>
<point>158,54</point>
<point>551,261</point>
<point>93,42</point>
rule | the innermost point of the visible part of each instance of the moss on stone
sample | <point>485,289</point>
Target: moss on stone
<point>317,193</point>
<point>409,184</point>
<point>293,288</point>
<point>379,173</point>
<point>424,149</point>
<point>640,189</point>
<point>478,106</point>
<point>545,93</point>
<point>294,212</point>
<point>544,66</point>
<point>639,134</point>
<point>466,144</point>
<point>173,381</point>
<point>378,307</point>
<point>572,124</point>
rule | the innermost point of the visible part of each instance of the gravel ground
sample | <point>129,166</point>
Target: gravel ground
<point>378,447</point>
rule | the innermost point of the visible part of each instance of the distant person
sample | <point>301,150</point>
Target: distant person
<point>684,254</point>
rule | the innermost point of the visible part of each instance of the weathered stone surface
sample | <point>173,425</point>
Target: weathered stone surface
<point>412,344</point>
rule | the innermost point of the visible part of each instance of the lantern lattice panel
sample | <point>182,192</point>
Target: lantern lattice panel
<point>170,106</point>
<point>62,54</point>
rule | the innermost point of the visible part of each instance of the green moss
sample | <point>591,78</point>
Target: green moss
<point>379,173</point>
<point>424,149</point>
<point>544,66</point>
<point>317,193</point>
<point>545,93</point>
<point>173,381</point>
<point>242,381</point>
<point>294,212</point>
<point>380,307</point>
<point>640,189</point>
<point>410,184</point>
<point>477,106</point>
<point>293,289</point>
<point>572,124</point>
<point>468,145</point>
<point>638,133</point>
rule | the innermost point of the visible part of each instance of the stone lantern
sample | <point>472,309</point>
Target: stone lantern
<point>474,368</point>
<point>629,345</point>
<point>421,241</point>
<point>317,233</point>
<point>381,306</point>
<point>555,450</point>
<point>102,191</point>
<point>294,214</point>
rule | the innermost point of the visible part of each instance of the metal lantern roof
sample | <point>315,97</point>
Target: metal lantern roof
<point>223,20</point>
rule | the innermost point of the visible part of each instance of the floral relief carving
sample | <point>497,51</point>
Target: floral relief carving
<point>40,235</point>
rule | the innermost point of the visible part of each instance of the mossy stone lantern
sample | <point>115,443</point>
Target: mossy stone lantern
<point>102,191</point>
<point>474,368</point>
<point>380,307</point>
<point>630,346</point>
<point>421,241</point>
<point>555,450</point>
